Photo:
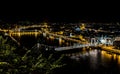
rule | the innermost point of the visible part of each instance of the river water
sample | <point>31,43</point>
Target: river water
<point>80,62</point>
<point>93,61</point>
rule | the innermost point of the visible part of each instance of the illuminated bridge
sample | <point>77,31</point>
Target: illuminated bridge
<point>63,37</point>
<point>93,42</point>
<point>75,47</point>
<point>33,26</point>
<point>25,32</point>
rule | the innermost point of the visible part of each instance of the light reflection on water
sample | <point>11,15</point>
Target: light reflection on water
<point>97,58</point>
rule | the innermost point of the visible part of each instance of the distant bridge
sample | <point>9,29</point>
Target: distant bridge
<point>75,47</point>
<point>33,26</point>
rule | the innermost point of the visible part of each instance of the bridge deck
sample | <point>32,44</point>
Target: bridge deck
<point>74,47</point>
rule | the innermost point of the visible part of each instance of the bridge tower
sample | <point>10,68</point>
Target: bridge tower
<point>106,40</point>
<point>36,32</point>
<point>94,41</point>
<point>19,32</point>
<point>109,41</point>
<point>70,34</point>
<point>38,45</point>
<point>60,41</point>
<point>44,34</point>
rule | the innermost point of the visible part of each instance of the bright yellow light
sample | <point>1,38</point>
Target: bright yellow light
<point>82,27</point>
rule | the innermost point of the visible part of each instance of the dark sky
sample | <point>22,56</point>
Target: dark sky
<point>63,17</point>
<point>68,12</point>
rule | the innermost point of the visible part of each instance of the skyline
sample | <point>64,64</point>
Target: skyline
<point>86,48</point>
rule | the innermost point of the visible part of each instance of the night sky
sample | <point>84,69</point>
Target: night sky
<point>62,18</point>
<point>61,13</point>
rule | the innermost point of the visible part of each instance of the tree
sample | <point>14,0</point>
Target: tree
<point>15,63</point>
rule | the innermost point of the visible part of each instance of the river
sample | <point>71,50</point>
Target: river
<point>92,62</point>
<point>80,62</point>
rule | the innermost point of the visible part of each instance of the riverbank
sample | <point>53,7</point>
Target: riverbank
<point>110,49</point>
